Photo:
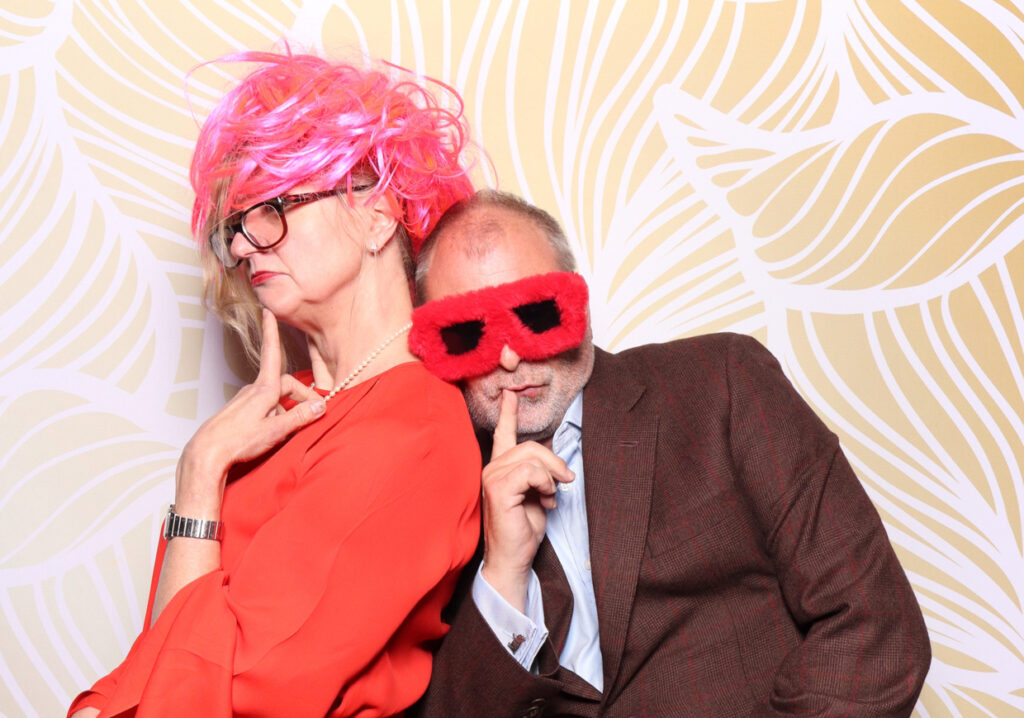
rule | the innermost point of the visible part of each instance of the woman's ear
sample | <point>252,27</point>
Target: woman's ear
<point>383,220</point>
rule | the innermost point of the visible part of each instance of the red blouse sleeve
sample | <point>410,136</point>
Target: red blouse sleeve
<point>335,604</point>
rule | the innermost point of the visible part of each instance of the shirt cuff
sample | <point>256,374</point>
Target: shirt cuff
<point>522,635</point>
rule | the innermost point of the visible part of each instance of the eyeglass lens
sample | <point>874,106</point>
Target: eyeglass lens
<point>263,224</point>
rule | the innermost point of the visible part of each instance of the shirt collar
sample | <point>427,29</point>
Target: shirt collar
<point>574,414</point>
<point>569,430</point>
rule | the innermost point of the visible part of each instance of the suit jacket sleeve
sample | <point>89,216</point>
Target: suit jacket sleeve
<point>475,675</point>
<point>865,650</point>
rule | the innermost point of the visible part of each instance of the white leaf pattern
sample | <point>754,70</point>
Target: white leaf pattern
<point>839,179</point>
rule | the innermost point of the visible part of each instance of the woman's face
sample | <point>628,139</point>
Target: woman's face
<point>311,271</point>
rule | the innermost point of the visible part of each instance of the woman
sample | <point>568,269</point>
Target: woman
<point>331,510</point>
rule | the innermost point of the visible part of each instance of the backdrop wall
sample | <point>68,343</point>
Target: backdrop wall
<point>840,178</point>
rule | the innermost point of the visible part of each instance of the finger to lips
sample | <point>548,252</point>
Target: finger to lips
<point>508,424</point>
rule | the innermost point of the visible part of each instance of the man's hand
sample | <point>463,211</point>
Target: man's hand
<point>519,485</point>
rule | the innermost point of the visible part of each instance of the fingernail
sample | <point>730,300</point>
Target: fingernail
<point>318,407</point>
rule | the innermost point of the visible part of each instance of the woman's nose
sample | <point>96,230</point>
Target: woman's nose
<point>240,247</point>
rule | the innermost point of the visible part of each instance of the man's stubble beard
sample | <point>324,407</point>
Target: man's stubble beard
<point>570,373</point>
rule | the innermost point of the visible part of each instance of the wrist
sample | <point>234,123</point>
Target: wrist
<point>199,486</point>
<point>510,583</point>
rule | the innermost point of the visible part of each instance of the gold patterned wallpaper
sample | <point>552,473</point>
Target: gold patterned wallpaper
<point>842,179</point>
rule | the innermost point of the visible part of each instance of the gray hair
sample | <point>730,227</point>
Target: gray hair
<point>491,198</point>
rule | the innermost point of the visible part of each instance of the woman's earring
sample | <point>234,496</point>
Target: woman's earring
<point>373,249</point>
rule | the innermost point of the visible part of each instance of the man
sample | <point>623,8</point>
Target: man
<point>669,531</point>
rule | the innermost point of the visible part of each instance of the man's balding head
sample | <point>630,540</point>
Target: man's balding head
<point>482,220</point>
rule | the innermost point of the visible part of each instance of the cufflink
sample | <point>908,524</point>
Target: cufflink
<point>517,640</point>
<point>536,708</point>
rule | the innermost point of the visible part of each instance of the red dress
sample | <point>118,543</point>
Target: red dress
<point>340,548</point>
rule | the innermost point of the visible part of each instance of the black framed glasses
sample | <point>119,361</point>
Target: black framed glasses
<point>263,225</point>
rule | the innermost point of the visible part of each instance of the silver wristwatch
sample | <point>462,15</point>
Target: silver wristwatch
<point>176,525</point>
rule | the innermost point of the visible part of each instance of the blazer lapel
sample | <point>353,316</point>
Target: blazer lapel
<point>618,463</point>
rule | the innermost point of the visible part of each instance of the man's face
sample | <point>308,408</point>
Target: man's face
<point>491,246</point>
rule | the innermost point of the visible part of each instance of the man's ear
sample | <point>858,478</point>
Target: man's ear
<point>382,221</point>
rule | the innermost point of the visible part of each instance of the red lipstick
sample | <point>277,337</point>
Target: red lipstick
<point>258,278</point>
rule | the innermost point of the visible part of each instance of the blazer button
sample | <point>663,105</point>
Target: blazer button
<point>536,708</point>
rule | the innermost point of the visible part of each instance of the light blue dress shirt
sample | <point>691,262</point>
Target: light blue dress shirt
<point>567,531</point>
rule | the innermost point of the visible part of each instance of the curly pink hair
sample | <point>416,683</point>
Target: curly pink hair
<point>298,118</point>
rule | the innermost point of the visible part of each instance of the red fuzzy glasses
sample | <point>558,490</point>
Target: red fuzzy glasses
<point>538,317</point>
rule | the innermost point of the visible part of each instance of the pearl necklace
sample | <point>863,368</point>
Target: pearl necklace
<point>365,363</point>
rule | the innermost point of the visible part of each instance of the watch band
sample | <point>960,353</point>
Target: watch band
<point>176,525</point>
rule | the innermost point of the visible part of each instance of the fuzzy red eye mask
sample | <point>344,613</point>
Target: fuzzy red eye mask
<point>538,317</point>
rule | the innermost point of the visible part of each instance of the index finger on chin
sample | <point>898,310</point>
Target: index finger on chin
<point>270,351</point>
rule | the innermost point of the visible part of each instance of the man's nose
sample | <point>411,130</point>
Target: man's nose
<point>509,360</point>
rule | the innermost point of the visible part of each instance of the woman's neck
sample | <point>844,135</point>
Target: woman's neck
<point>357,335</point>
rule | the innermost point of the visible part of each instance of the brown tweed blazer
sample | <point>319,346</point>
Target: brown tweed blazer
<point>739,567</point>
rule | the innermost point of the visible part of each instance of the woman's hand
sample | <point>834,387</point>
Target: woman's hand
<point>254,421</point>
<point>250,424</point>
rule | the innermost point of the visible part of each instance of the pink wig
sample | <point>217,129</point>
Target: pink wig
<point>299,119</point>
